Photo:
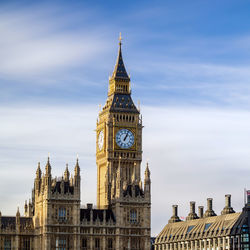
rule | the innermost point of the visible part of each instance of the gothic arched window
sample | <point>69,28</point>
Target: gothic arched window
<point>133,216</point>
<point>62,214</point>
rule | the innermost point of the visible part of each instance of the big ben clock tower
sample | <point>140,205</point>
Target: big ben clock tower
<point>118,158</point>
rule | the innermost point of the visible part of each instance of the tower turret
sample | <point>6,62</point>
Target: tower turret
<point>77,168</point>
<point>77,179</point>
<point>147,181</point>
<point>118,159</point>
<point>38,171</point>
<point>47,178</point>
<point>48,169</point>
<point>66,173</point>
<point>18,220</point>
<point>38,179</point>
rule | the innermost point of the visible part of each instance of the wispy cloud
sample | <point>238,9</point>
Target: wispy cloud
<point>36,41</point>
<point>194,153</point>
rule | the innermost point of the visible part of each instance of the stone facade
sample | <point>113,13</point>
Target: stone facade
<point>54,218</point>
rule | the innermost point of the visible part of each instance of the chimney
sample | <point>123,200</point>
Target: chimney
<point>192,207</point>
<point>228,200</point>
<point>210,212</point>
<point>89,206</point>
<point>174,217</point>
<point>175,210</point>
<point>26,208</point>
<point>209,204</point>
<point>192,215</point>
<point>227,209</point>
<point>201,209</point>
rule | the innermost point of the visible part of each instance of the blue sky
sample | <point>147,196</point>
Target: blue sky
<point>189,64</point>
<point>191,52</point>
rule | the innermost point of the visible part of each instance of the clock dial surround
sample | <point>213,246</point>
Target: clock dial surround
<point>100,140</point>
<point>124,138</point>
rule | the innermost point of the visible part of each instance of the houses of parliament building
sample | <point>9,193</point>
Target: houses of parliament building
<point>54,218</point>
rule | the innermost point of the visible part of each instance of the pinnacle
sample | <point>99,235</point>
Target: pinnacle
<point>120,72</point>
<point>77,168</point>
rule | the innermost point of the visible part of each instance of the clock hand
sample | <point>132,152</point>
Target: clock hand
<point>126,137</point>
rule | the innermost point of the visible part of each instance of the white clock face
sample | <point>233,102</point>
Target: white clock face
<point>124,138</point>
<point>100,140</point>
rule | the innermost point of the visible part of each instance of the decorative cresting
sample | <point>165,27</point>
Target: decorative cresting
<point>192,215</point>
<point>209,212</point>
<point>227,209</point>
<point>175,217</point>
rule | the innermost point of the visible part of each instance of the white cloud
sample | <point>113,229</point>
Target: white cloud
<point>38,40</point>
<point>193,153</point>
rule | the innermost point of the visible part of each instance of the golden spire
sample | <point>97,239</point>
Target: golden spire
<point>77,167</point>
<point>48,167</point>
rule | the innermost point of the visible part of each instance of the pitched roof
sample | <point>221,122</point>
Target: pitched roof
<point>9,222</point>
<point>123,103</point>
<point>120,72</point>
<point>67,188</point>
<point>97,214</point>
<point>128,191</point>
<point>198,229</point>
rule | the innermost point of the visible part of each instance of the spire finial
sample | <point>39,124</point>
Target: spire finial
<point>147,172</point>
<point>18,213</point>
<point>120,39</point>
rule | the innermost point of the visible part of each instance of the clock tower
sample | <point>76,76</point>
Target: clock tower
<point>118,158</point>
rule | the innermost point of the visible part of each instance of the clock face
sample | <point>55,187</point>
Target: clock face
<point>124,138</point>
<point>100,140</point>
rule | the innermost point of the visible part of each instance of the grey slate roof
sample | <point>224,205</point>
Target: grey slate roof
<point>120,72</point>
<point>97,214</point>
<point>123,103</point>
